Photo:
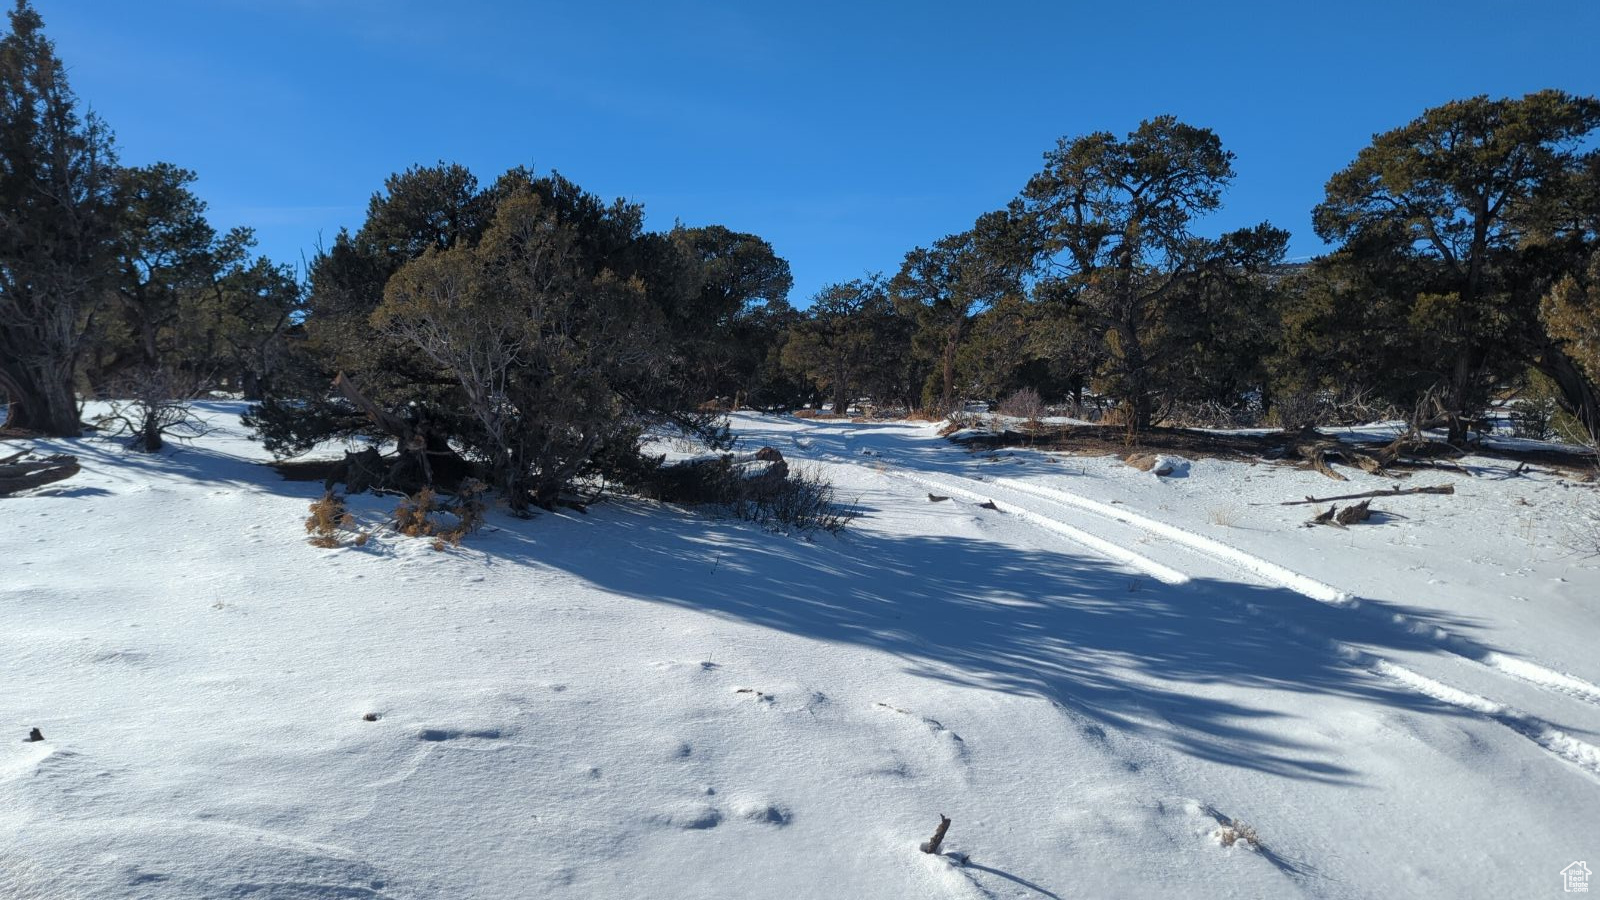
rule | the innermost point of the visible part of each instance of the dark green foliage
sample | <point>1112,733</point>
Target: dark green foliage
<point>941,289</point>
<point>531,327</point>
<point>1452,190</point>
<point>1341,327</point>
<point>852,342</point>
<point>734,310</point>
<point>56,227</point>
<point>185,298</point>
<point>1108,221</point>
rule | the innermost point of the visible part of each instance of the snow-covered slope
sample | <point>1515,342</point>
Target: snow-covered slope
<point>644,702</point>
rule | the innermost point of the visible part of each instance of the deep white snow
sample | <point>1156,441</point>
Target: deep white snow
<point>647,702</point>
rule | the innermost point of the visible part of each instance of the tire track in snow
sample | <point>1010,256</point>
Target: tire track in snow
<point>1553,740</point>
<point>1100,545</point>
<point>1531,672</point>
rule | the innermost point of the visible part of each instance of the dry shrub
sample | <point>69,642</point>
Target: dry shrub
<point>412,516</point>
<point>328,517</point>
<point>960,420</point>
<point>1211,414</point>
<point>1227,515</point>
<point>1144,462</point>
<point>781,499</point>
<point>802,502</point>
<point>156,407</point>
<point>1232,831</point>
<point>1345,406</point>
<point>1115,416</point>
<point>423,514</point>
<point>1024,403</point>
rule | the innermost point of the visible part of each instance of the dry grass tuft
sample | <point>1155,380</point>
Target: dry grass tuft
<point>328,517</point>
<point>1232,831</point>
<point>1228,515</point>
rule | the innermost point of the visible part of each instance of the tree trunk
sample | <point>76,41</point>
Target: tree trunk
<point>1579,395</point>
<point>1143,410</point>
<point>150,441</point>
<point>48,409</point>
<point>948,373</point>
<point>1460,386</point>
<point>1137,381</point>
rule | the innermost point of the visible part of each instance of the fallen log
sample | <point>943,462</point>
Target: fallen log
<point>1389,492</point>
<point>29,474</point>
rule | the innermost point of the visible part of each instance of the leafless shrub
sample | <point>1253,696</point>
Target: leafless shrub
<point>785,499</point>
<point>1347,406</point>
<point>803,502</point>
<point>1211,414</point>
<point>154,404</point>
<point>1024,403</point>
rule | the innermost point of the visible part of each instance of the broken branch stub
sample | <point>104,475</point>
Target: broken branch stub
<point>932,844</point>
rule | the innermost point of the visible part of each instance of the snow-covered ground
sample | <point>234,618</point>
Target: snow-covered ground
<point>644,702</point>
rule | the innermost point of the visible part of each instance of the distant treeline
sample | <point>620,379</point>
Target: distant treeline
<point>531,331</point>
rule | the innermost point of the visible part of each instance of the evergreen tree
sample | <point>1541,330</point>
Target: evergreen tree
<point>1446,188</point>
<point>1109,236</point>
<point>942,288</point>
<point>57,172</point>
<point>725,326</point>
<point>851,342</point>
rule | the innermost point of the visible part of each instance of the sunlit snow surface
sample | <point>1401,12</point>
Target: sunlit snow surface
<point>647,702</point>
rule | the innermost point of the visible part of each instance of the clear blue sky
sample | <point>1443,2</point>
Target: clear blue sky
<point>845,133</point>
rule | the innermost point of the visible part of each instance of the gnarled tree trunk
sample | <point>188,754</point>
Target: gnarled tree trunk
<point>48,409</point>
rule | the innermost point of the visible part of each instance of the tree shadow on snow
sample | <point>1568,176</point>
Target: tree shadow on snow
<point>1108,645</point>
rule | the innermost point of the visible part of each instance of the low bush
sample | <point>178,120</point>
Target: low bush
<point>803,502</point>
<point>328,518</point>
<point>1024,403</point>
<point>774,497</point>
<point>447,522</point>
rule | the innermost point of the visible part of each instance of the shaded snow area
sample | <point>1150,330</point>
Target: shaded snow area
<point>1093,680</point>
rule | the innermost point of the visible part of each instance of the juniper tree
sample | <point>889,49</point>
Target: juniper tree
<point>1110,240</point>
<point>942,287</point>
<point>851,341</point>
<point>1446,189</point>
<point>527,329</point>
<point>57,171</point>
